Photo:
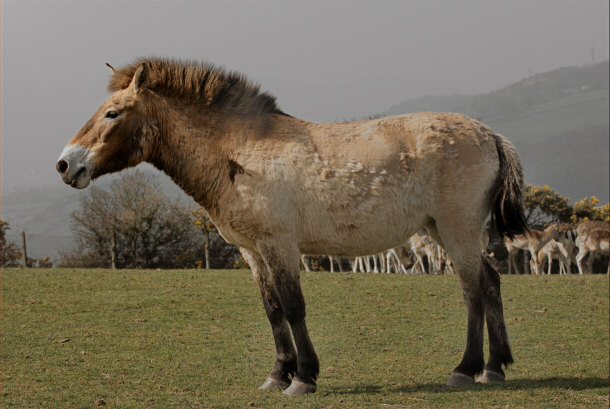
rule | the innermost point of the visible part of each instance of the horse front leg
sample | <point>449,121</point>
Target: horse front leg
<point>281,260</point>
<point>286,356</point>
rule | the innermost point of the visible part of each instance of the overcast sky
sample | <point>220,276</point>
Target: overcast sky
<point>323,60</point>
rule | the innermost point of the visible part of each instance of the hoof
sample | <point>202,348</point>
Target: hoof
<point>459,380</point>
<point>271,383</point>
<point>490,376</point>
<point>298,387</point>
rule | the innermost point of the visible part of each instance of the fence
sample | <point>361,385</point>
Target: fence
<point>41,246</point>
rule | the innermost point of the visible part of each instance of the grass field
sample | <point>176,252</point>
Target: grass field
<point>200,339</point>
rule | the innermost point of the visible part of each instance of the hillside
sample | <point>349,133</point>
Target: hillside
<point>558,120</point>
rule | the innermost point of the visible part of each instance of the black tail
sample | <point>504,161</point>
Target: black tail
<point>507,212</point>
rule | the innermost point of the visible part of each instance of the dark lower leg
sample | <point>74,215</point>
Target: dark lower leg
<point>472,362</point>
<point>286,356</point>
<point>294,307</point>
<point>308,364</point>
<point>499,348</point>
<point>285,277</point>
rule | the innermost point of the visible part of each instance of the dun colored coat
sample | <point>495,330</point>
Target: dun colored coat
<point>277,186</point>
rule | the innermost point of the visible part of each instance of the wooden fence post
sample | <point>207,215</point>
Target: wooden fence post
<point>206,249</point>
<point>113,251</point>
<point>24,251</point>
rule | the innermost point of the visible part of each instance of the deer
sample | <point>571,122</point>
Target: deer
<point>532,241</point>
<point>593,239</point>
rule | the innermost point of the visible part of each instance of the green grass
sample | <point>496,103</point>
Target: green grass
<point>199,339</point>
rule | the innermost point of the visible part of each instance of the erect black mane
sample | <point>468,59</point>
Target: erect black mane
<point>199,83</point>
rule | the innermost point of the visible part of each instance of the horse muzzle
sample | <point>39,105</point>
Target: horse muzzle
<point>73,166</point>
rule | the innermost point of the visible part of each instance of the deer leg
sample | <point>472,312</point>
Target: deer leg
<point>542,262</point>
<point>534,261</point>
<point>499,348</point>
<point>564,260</point>
<point>281,260</point>
<point>582,253</point>
<point>305,262</point>
<point>562,264</point>
<point>527,262</point>
<point>286,356</point>
<point>514,262</point>
<point>590,260</point>
<point>510,262</point>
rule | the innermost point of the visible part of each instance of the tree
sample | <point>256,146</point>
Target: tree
<point>133,225</point>
<point>225,255</point>
<point>10,255</point>
<point>544,206</point>
<point>586,209</point>
<point>203,223</point>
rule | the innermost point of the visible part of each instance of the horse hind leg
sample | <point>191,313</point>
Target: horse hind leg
<point>462,245</point>
<point>499,347</point>
<point>472,361</point>
<point>286,356</point>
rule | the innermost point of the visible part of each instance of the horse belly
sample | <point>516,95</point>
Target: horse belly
<point>361,225</point>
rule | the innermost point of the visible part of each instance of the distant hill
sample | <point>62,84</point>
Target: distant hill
<point>431,103</point>
<point>559,121</point>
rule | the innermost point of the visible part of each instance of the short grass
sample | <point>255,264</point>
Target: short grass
<point>200,339</point>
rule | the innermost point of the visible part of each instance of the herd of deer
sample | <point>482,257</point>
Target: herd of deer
<point>564,242</point>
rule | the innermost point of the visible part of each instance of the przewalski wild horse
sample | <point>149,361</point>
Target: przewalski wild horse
<point>278,186</point>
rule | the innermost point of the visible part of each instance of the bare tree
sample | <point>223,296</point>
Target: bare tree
<point>135,226</point>
<point>203,223</point>
<point>217,253</point>
<point>9,252</point>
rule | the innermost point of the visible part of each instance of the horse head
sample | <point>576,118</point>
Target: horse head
<point>116,137</point>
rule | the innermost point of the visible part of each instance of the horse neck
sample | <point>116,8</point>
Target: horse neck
<point>190,153</point>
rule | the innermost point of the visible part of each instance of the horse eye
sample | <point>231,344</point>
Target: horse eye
<point>112,114</point>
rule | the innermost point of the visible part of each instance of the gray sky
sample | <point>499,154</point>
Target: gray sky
<point>324,61</point>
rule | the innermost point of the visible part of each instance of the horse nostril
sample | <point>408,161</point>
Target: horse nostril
<point>62,166</point>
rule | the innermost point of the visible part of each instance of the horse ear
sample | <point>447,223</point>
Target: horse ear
<point>112,68</point>
<point>140,79</point>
